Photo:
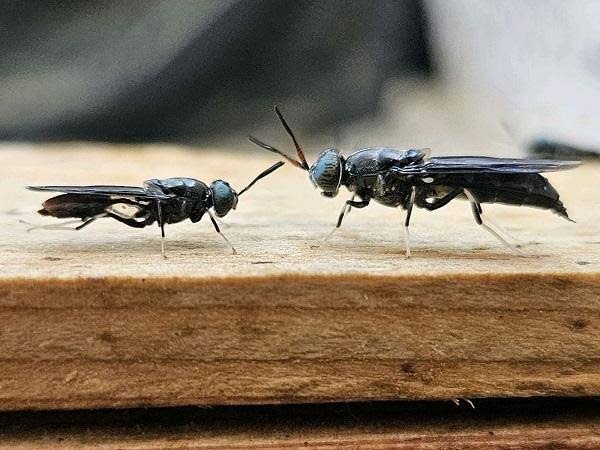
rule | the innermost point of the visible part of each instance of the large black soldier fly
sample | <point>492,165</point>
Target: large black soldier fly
<point>170,200</point>
<point>408,178</point>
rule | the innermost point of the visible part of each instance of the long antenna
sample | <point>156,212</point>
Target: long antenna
<point>274,150</point>
<point>289,131</point>
<point>270,170</point>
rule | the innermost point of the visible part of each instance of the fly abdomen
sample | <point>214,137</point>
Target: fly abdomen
<point>83,206</point>
<point>527,189</point>
<point>75,206</point>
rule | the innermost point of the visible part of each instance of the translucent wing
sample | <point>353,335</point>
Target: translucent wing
<point>482,164</point>
<point>109,191</point>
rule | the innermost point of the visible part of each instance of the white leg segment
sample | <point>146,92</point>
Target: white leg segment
<point>474,203</point>
<point>407,241</point>
<point>62,225</point>
<point>218,230</point>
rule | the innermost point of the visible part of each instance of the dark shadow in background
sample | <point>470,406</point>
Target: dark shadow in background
<point>157,70</point>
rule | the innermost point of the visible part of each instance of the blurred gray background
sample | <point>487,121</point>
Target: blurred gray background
<point>455,75</point>
<point>142,70</point>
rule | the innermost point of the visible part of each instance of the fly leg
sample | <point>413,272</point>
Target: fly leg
<point>345,209</point>
<point>218,230</point>
<point>440,202</point>
<point>409,207</point>
<point>348,207</point>
<point>60,226</point>
<point>162,240</point>
<point>132,222</point>
<point>477,210</point>
<point>222,224</point>
<point>88,221</point>
<point>499,227</point>
<point>140,223</point>
<point>64,225</point>
<point>161,224</point>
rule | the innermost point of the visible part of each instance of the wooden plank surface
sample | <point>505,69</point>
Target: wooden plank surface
<point>277,224</point>
<point>98,318</point>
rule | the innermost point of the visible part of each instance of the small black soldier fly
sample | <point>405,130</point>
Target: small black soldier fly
<point>170,200</point>
<point>408,178</point>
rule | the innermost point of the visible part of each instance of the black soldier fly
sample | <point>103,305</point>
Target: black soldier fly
<point>408,178</point>
<point>169,200</point>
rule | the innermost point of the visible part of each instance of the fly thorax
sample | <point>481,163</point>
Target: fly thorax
<point>389,190</point>
<point>379,187</point>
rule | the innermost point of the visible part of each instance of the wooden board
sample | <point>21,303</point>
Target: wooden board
<point>98,318</point>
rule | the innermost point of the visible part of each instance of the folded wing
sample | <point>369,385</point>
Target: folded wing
<point>126,202</point>
<point>109,191</point>
<point>482,164</point>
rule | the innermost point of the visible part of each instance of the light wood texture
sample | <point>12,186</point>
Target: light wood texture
<point>98,318</point>
<point>573,435</point>
<point>277,224</point>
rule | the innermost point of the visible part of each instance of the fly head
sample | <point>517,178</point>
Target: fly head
<point>224,197</point>
<point>325,174</point>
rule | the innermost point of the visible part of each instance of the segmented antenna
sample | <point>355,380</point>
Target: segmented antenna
<point>274,150</point>
<point>270,170</point>
<point>289,131</point>
<point>302,164</point>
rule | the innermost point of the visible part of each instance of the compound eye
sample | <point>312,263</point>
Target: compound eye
<point>223,197</point>
<point>326,172</point>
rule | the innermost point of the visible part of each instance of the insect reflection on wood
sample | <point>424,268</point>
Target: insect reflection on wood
<point>170,200</point>
<point>408,178</point>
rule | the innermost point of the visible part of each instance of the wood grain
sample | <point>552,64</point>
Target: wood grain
<point>565,436</point>
<point>277,224</point>
<point>98,318</point>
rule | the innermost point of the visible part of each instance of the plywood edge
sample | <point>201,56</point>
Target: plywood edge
<point>556,291</point>
<point>119,342</point>
<point>142,282</point>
